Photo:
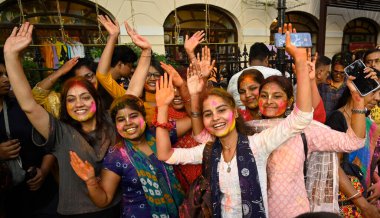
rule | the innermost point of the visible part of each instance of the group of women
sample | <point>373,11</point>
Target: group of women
<point>253,174</point>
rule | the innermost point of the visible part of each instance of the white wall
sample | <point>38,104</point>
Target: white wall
<point>252,22</point>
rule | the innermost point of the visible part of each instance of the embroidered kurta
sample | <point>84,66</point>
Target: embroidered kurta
<point>261,144</point>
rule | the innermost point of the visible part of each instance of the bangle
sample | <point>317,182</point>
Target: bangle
<point>166,125</point>
<point>195,114</point>
<point>359,111</point>
<point>354,196</point>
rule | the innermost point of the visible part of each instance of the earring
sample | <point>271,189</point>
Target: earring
<point>259,113</point>
<point>288,111</point>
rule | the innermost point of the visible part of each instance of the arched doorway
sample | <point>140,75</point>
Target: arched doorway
<point>303,22</point>
<point>78,16</point>
<point>359,34</point>
<point>80,24</point>
<point>222,38</point>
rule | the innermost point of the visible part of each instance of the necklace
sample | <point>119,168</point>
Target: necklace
<point>344,110</point>
<point>229,163</point>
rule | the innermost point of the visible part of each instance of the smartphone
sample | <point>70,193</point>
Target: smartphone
<point>363,85</point>
<point>297,39</point>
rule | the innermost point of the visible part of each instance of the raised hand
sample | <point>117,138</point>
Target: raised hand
<point>84,170</point>
<point>68,65</point>
<point>164,91</point>
<point>311,66</point>
<point>195,82</point>
<point>19,39</point>
<point>296,53</point>
<point>112,28</point>
<point>205,64</point>
<point>138,40</point>
<point>192,42</point>
<point>173,73</point>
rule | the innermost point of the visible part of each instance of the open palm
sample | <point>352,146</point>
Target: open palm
<point>112,28</point>
<point>19,39</point>
<point>136,38</point>
<point>164,91</point>
<point>195,82</point>
<point>84,169</point>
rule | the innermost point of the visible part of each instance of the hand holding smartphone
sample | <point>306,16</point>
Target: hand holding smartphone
<point>362,84</point>
<point>297,39</point>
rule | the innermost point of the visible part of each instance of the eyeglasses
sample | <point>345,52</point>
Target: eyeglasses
<point>89,76</point>
<point>155,75</point>
<point>338,72</point>
<point>372,61</point>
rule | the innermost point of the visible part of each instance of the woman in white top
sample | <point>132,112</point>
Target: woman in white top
<point>238,161</point>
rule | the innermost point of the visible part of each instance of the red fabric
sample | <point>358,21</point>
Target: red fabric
<point>320,112</point>
<point>245,114</point>
<point>191,172</point>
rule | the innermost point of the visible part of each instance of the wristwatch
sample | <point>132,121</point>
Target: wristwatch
<point>359,111</point>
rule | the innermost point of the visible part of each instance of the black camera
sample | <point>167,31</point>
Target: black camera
<point>30,173</point>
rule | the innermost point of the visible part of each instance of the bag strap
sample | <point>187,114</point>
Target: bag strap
<point>5,112</point>
<point>305,148</point>
<point>206,166</point>
<point>8,131</point>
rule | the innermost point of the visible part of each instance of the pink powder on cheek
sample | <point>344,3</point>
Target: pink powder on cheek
<point>93,107</point>
<point>142,124</point>
<point>281,108</point>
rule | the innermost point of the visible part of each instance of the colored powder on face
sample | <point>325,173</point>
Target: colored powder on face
<point>261,107</point>
<point>281,108</point>
<point>92,111</point>
<point>232,122</point>
<point>142,125</point>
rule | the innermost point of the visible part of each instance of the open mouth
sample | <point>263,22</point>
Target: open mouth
<point>131,130</point>
<point>80,112</point>
<point>177,101</point>
<point>219,126</point>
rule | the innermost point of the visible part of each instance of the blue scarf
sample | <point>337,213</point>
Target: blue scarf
<point>161,188</point>
<point>251,197</point>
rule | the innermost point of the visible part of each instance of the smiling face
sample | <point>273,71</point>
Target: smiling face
<point>249,92</point>
<point>273,101</point>
<point>218,116</point>
<point>177,102</point>
<point>130,124</point>
<point>80,105</point>
<point>153,76</point>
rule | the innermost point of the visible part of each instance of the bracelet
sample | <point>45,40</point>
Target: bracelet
<point>166,125</point>
<point>359,111</point>
<point>354,196</point>
<point>195,114</point>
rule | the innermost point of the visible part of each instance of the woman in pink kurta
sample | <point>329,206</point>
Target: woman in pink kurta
<point>287,195</point>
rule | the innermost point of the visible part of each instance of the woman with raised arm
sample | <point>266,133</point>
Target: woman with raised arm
<point>238,162</point>
<point>359,190</point>
<point>84,128</point>
<point>149,186</point>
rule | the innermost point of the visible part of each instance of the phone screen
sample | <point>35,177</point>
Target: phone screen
<point>297,39</point>
<point>363,85</point>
